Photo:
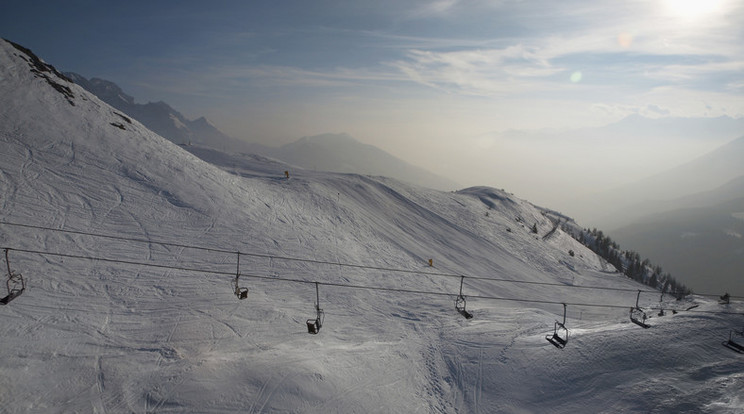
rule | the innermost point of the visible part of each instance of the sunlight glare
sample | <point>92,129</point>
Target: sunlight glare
<point>625,40</point>
<point>693,9</point>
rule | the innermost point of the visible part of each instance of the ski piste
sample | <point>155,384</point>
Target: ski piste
<point>142,333</point>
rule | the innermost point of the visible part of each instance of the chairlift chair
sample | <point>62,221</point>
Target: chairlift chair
<point>460,303</point>
<point>637,315</point>
<point>724,299</point>
<point>15,283</point>
<point>460,307</point>
<point>560,332</point>
<point>731,344</point>
<point>314,325</point>
<point>240,292</point>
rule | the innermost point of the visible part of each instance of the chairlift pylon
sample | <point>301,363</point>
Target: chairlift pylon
<point>560,332</point>
<point>15,283</point>
<point>637,315</point>
<point>240,292</point>
<point>460,302</point>
<point>731,344</point>
<point>314,325</point>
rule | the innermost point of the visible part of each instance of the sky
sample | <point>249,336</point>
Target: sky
<point>422,80</point>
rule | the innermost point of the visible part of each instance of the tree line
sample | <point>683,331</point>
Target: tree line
<point>630,263</point>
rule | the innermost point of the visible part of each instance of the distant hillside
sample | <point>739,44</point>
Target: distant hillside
<point>689,220</point>
<point>342,153</point>
<point>715,129</point>
<point>676,188</point>
<point>731,190</point>
<point>702,174</point>
<point>585,171</point>
<point>702,244</point>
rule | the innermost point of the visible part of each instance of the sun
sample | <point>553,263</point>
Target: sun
<point>693,9</point>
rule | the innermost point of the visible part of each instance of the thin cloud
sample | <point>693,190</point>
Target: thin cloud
<point>651,48</point>
<point>435,8</point>
<point>696,71</point>
<point>225,80</point>
<point>478,72</point>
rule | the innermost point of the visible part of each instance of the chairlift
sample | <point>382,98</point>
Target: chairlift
<point>240,292</point>
<point>725,299</point>
<point>560,332</point>
<point>731,344</point>
<point>460,302</point>
<point>314,325</point>
<point>637,315</point>
<point>15,283</point>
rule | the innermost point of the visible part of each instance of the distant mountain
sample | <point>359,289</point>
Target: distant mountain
<point>160,117</point>
<point>585,171</point>
<point>732,190</point>
<point>638,129</point>
<point>716,174</point>
<point>699,237</point>
<point>709,171</point>
<point>327,152</point>
<point>342,153</point>
<point>687,219</point>
<point>701,246</point>
<point>719,128</point>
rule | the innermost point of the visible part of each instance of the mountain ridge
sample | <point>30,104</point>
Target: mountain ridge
<point>684,183</point>
<point>159,116</point>
<point>329,152</point>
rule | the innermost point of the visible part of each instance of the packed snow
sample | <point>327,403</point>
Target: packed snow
<point>138,330</point>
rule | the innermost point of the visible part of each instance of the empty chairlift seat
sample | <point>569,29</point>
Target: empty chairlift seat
<point>734,345</point>
<point>314,325</point>
<point>240,292</point>
<point>559,338</point>
<point>15,283</point>
<point>460,302</point>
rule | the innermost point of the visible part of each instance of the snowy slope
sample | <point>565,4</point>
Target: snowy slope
<point>106,336</point>
<point>344,154</point>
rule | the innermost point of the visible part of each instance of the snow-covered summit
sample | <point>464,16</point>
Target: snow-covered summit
<point>146,319</point>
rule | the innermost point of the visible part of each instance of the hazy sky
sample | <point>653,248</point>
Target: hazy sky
<point>420,79</point>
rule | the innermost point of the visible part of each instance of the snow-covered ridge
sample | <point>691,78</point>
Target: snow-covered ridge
<point>95,336</point>
<point>45,71</point>
<point>160,117</point>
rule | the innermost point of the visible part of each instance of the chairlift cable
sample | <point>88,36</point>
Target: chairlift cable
<point>335,284</point>
<point>338,263</point>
